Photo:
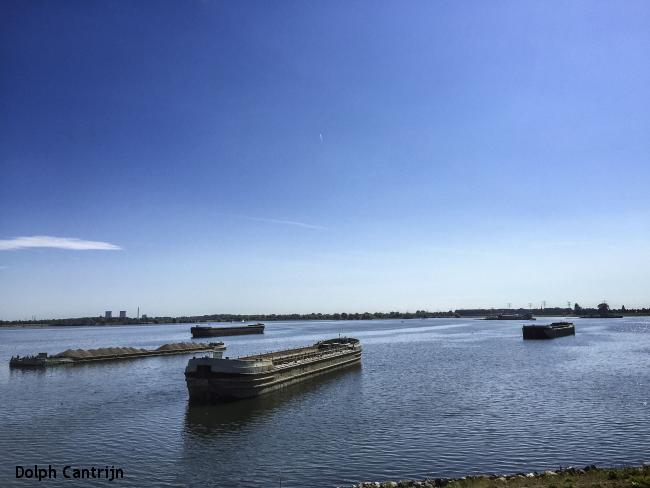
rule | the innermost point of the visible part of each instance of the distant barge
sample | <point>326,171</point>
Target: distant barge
<point>199,331</point>
<point>511,316</point>
<point>556,329</point>
<point>601,316</point>
<point>77,356</point>
<point>211,380</point>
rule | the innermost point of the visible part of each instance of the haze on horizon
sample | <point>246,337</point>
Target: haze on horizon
<point>225,157</point>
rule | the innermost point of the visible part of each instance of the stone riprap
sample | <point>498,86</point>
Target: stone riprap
<point>568,477</point>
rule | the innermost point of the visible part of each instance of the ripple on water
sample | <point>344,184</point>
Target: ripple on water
<point>432,398</point>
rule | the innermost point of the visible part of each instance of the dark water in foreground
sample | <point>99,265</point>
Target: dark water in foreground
<point>432,398</point>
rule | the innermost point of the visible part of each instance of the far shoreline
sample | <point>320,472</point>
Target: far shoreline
<point>149,324</point>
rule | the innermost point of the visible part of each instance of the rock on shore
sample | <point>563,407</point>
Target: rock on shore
<point>569,477</point>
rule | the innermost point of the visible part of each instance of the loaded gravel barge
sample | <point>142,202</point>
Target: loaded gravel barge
<point>556,329</point>
<point>199,331</point>
<point>211,380</point>
<point>77,356</point>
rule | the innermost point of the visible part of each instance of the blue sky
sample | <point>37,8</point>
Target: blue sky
<point>253,157</point>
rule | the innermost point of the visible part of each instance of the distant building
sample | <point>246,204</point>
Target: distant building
<point>122,314</point>
<point>108,314</point>
<point>144,315</point>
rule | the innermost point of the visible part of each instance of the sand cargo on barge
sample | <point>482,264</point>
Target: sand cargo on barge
<point>211,380</point>
<point>551,331</point>
<point>199,331</point>
<point>77,356</point>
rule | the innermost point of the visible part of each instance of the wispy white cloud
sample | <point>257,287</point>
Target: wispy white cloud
<point>287,222</point>
<point>71,243</point>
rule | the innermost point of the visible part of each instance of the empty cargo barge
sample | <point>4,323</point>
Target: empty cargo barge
<point>77,356</point>
<point>556,329</point>
<point>199,331</point>
<point>211,380</point>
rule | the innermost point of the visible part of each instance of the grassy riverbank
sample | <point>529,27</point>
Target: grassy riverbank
<point>589,477</point>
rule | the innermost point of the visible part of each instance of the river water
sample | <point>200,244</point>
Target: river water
<point>437,397</point>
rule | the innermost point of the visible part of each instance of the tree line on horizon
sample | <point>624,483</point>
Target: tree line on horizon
<point>100,320</point>
<point>577,310</point>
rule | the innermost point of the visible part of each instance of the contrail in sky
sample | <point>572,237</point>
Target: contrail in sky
<point>287,222</point>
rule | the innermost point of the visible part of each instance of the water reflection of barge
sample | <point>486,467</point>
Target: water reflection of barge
<point>205,420</point>
<point>76,356</point>
<point>214,379</point>
<point>199,331</point>
<point>551,331</point>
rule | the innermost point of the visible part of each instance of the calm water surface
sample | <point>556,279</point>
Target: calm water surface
<point>439,397</point>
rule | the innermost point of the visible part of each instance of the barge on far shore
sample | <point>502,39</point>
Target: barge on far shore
<point>511,316</point>
<point>550,331</point>
<point>199,331</point>
<point>212,380</point>
<point>77,356</point>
